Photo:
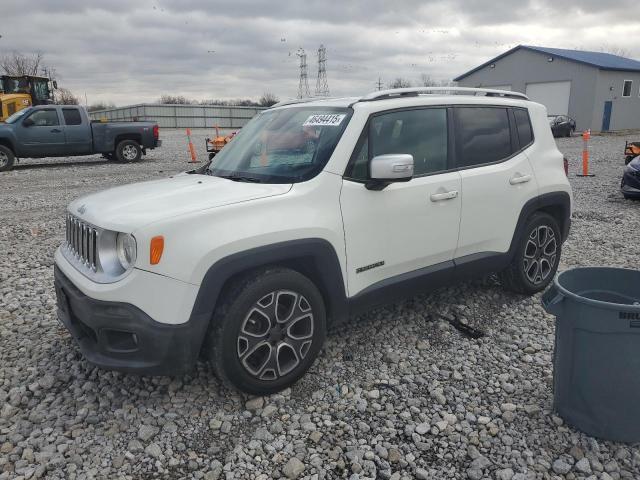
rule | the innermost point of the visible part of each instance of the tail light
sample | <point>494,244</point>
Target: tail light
<point>566,166</point>
<point>156,131</point>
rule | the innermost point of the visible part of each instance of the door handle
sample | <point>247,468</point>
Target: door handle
<point>55,130</point>
<point>516,179</point>
<point>438,197</point>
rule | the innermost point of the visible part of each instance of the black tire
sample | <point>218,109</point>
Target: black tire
<point>7,159</point>
<point>534,266</point>
<point>568,133</point>
<point>249,345</point>
<point>128,151</point>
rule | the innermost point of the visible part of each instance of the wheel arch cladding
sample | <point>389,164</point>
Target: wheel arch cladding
<point>556,204</point>
<point>136,137</point>
<point>7,143</point>
<point>314,258</point>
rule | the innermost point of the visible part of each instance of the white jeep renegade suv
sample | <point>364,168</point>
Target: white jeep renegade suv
<point>316,210</point>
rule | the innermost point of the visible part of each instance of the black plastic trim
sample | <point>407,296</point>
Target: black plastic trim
<point>159,349</point>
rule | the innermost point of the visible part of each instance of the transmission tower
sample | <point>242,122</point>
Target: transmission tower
<point>303,86</point>
<point>322,87</point>
<point>379,83</point>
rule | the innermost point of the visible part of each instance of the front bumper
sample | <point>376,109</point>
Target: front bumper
<point>630,185</point>
<point>120,336</point>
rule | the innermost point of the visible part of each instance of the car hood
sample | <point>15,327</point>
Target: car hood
<point>130,207</point>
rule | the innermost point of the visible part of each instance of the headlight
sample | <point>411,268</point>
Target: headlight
<point>126,250</point>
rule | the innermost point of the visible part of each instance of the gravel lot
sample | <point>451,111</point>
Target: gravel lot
<point>397,393</point>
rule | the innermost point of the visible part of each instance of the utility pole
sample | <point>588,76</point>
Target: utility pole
<point>379,83</point>
<point>303,85</point>
<point>322,87</point>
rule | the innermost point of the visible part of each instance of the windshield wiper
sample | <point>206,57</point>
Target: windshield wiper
<point>240,178</point>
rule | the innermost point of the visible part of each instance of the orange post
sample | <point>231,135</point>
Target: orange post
<point>192,150</point>
<point>586,135</point>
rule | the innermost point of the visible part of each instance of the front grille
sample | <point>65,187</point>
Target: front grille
<point>82,241</point>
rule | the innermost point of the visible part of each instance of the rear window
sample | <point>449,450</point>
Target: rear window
<point>523,125</point>
<point>71,116</point>
<point>483,135</point>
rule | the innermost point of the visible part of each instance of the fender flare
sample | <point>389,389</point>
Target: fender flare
<point>314,257</point>
<point>559,201</point>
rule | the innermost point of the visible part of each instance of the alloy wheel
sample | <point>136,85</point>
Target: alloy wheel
<point>275,335</point>
<point>540,254</point>
<point>129,152</point>
<point>4,159</point>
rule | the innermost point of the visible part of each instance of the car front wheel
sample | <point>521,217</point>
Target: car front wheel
<point>537,256</point>
<point>267,332</point>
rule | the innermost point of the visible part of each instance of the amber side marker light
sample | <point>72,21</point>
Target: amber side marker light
<point>157,247</point>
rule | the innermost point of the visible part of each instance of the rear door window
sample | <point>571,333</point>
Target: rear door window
<point>71,116</point>
<point>483,135</point>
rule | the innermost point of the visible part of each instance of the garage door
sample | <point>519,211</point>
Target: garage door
<point>553,95</point>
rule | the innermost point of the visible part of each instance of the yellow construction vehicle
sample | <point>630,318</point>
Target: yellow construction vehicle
<point>21,92</point>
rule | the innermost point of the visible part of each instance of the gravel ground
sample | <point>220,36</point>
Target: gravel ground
<point>397,393</point>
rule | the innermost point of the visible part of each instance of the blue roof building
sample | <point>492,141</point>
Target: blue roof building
<point>599,90</point>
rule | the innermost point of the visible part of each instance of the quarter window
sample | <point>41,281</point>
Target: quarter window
<point>44,118</point>
<point>523,124</point>
<point>71,116</point>
<point>483,135</point>
<point>421,133</point>
<point>626,88</point>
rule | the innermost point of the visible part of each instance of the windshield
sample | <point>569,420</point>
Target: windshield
<point>282,146</point>
<point>17,116</point>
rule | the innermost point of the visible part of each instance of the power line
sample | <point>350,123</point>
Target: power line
<point>322,86</point>
<point>303,86</point>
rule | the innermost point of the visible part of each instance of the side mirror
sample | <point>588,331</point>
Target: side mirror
<point>386,169</point>
<point>28,122</point>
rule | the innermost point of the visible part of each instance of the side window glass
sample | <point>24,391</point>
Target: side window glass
<point>44,118</point>
<point>523,125</point>
<point>421,133</point>
<point>483,135</point>
<point>71,116</point>
<point>359,167</point>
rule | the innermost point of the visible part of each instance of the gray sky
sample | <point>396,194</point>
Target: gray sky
<point>129,51</point>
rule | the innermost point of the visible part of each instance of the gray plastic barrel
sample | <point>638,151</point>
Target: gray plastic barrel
<point>596,365</point>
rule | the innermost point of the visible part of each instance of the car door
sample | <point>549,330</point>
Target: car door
<point>76,131</point>
<point>497,177</point>
<point>407,228</point>
<point>41,134</point>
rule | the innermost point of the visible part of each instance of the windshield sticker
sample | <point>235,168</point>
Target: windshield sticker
<point>327,119</point>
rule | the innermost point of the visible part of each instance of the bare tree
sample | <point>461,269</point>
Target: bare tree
<point>175,100</point>
<point>64,96</point>
<point>18,64</point>
<point>615,50</point>
<point>400,83</point>
<point>268,99</point>
<point>427,81</point>
<point>101,106</point>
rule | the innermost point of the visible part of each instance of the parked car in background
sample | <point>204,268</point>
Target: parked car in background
<point>66,130</point>
<point>562,125</point>
<point>630,185</point>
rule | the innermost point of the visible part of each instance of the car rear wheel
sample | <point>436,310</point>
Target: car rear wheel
<point>537,256</point>
<point>7,159</point>
<point>128,151</point>
<point>267,332</point>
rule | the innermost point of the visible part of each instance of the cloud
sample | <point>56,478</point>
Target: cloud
<point>131,52</point>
